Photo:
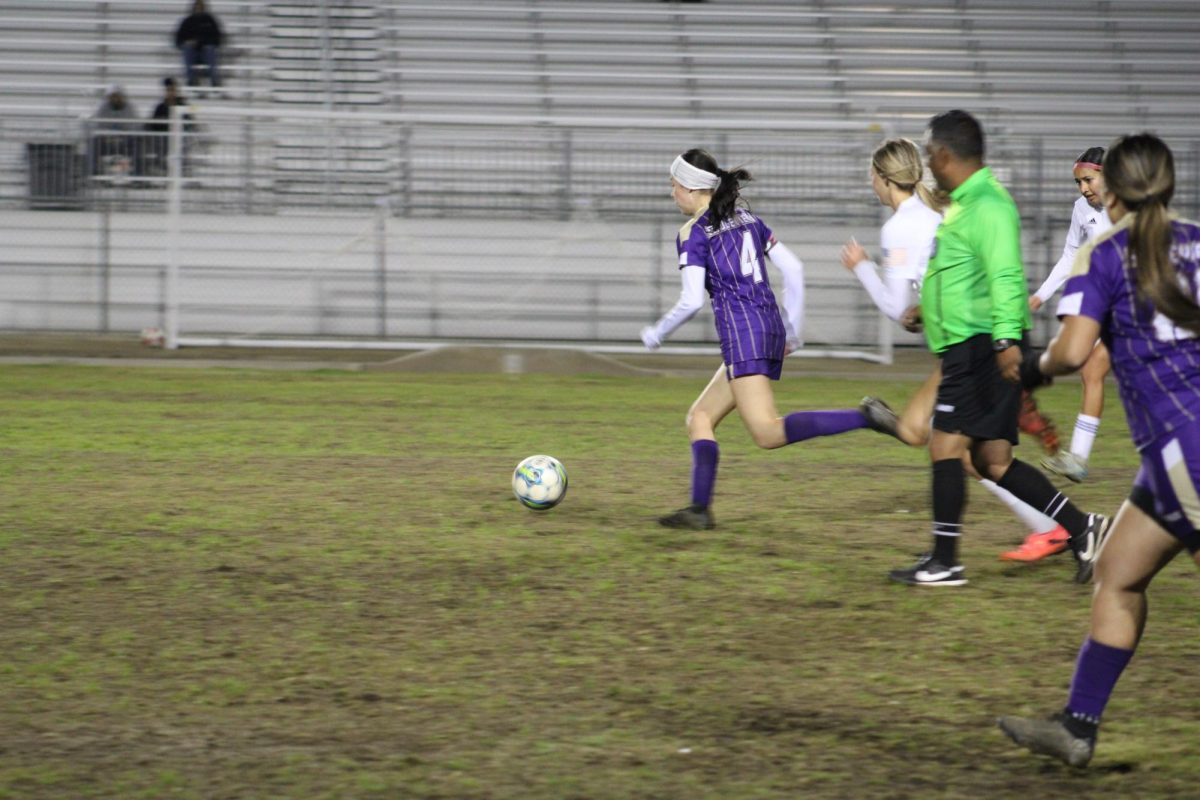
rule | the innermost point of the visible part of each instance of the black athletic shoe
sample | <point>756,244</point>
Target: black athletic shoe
<point>930,572</point>
<point>1086,546</point>
<point>690,518</point>
<point>1050,737</point>
<point>880,416</point>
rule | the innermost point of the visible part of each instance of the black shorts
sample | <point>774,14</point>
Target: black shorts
<point>973,399</point>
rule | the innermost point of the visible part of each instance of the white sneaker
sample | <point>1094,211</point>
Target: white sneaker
<point>1067,464</point>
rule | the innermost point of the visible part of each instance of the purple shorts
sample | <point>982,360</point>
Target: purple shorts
<point>771,367</point>
<point>1166,485</point>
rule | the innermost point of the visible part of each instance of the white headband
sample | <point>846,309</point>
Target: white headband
<point>691,177</point>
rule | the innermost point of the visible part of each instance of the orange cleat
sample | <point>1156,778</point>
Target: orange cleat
<point>1033,422</point>
<point>1039,545</point>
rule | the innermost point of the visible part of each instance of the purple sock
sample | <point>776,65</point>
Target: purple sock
<point>1096,671</point>
<point>705,455</point>
<point>801,425</point>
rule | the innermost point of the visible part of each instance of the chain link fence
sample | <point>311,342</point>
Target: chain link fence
<point>388,226</point>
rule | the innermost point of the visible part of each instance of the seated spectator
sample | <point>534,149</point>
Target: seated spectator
<point>199,38</point>
<point>159,128</point>
<point>113,144</point>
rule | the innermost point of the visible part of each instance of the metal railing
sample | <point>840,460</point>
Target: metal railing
<point>580,205</point>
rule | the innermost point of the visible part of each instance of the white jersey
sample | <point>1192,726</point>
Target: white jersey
<point>1086,223</point>
<point>907,243</point>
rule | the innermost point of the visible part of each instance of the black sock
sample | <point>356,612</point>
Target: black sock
<point>1081,726</point>
<point>949,497</point>
<point>1034,488</point>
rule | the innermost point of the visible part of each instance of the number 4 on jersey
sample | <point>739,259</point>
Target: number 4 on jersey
<point>751,262</point>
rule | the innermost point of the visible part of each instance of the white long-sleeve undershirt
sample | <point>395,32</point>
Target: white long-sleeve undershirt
<point>907,243</point>
<point>792,269</point>
<point>692,293</point>
<point>1086,223</point>
<point>691,300</point>
<point>892,294</point>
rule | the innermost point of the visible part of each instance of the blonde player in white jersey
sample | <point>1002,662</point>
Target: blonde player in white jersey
<point>1089,219</point>
<point>907,240</point>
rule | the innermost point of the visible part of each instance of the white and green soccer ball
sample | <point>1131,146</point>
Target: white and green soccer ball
<point>540,482</point>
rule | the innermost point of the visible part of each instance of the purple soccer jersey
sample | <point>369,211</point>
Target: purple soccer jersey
<point>1157,364</point>
<point>745,313</point>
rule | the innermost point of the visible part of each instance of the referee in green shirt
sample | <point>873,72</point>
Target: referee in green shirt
<point>975,314</point>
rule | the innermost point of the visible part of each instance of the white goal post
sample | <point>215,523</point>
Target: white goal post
<point>294,227</point>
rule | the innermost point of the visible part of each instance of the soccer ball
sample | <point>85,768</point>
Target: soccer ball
<point>540,482</point>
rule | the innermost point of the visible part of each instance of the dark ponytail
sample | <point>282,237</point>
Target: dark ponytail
<point>1140,170</point>
<point>726,195</point>
<point>1093,155</point>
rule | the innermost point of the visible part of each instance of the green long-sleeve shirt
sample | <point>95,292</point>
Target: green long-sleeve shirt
<point>975,282</point>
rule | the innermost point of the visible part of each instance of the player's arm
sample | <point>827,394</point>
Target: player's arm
<point>1085,301</point>
<point>792,269</point>
<point>1089,294</point>
<point>691,299</point>
<point>1062,270</point>
<point>893,293</point>
<point>1070,347</point>
<point>1000,251</point>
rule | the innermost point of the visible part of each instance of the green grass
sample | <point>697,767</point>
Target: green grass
<point>318,585</point>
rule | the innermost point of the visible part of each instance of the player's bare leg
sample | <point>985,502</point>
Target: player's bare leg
<point>1137,550</point>
<point>913,428</point>
<point>755,401</point>
<point>712,406</point>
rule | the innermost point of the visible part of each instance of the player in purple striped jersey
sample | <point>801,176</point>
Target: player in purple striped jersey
<point>721,250</point>
<point>1137,287</point>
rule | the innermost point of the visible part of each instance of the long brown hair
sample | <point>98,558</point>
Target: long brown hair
<point>725,196</point>
<point>899,161</point>
<point>1140,170</point>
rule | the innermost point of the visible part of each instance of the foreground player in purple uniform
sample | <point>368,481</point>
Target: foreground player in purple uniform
<point>1135,287</point>
<point>721,249</point>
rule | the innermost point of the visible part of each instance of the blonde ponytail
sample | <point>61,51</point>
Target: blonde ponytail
<point>899,161</point>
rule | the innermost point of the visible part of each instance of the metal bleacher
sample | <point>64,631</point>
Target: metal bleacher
<point>1027,66</point>
<point>1072,70</point>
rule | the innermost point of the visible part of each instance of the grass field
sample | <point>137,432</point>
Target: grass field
<point>252,584</point>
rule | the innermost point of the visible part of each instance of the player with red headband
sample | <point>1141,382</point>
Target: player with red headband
<point>1089,219</point>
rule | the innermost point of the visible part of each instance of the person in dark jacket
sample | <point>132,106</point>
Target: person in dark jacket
<point>159,127</point>
<point>199,39</point>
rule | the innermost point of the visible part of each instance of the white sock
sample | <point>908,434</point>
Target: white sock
<point>1084,436</point>
<point>1036,521</point>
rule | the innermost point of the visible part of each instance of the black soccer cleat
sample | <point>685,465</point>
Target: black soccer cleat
<point>928,571</point>
<point>880,416</point>
<point>1086,546</point>
<point>691,518</point>
<point>1050,737</point>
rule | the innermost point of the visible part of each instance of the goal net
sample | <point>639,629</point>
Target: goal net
<point>329,229</point>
